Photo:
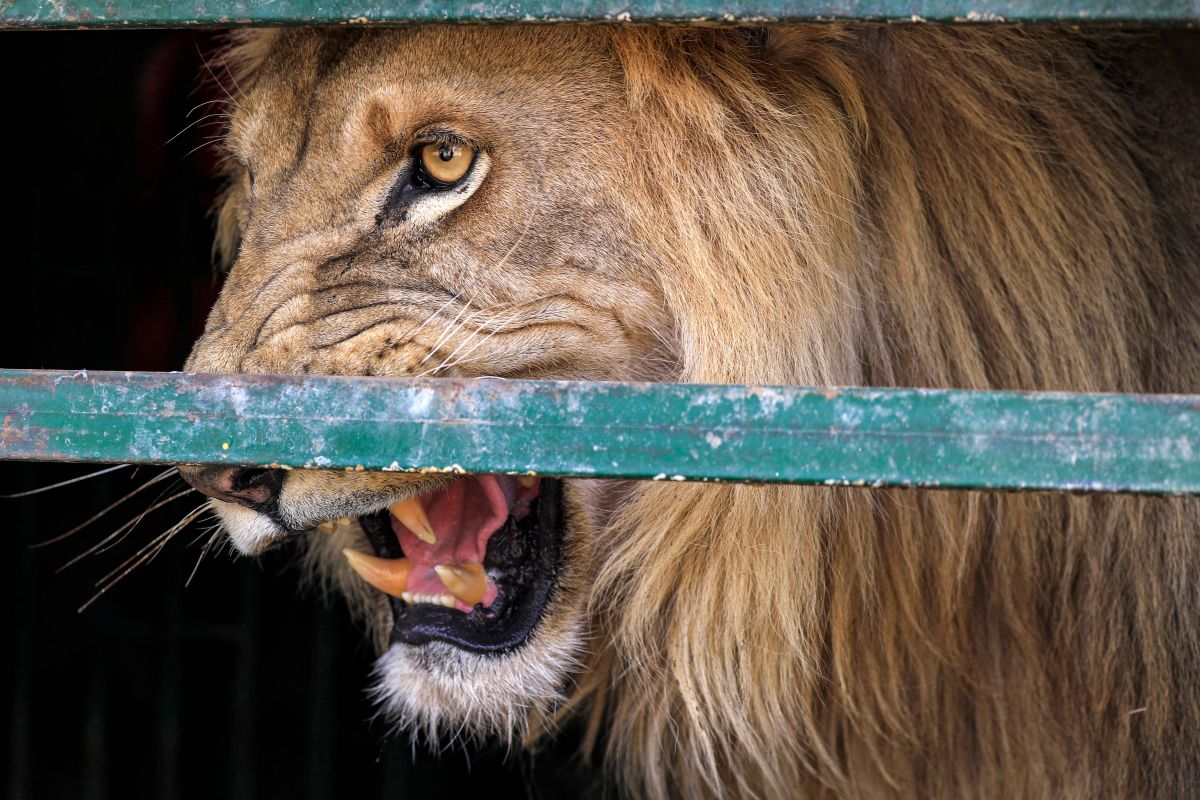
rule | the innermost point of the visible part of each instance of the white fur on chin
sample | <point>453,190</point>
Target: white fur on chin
<point>251,533</point>
<point>441,694</point>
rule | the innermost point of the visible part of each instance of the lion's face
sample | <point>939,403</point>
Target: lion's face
<point>817,205</point>
<point>428,203</point>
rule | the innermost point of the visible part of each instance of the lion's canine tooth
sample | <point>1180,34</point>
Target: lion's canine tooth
<point>388,575</point>
<point>411,514</point>
<point>327,527</point>
<point>467,582</point>
<point>344,521</point>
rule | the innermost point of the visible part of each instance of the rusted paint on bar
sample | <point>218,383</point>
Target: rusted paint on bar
<point>881,437</point>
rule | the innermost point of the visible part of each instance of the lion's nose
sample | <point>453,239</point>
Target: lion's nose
<point>255,488</point>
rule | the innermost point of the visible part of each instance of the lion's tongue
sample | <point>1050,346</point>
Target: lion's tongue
<point>464,515</point>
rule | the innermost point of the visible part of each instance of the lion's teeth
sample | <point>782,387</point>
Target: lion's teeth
<point>327,527</point>
<point>411,514</point>
<point>467,581</point>
<point>344,521</point>
<point>388,575</point>
<point>411,598</point>
<point>527,481</point>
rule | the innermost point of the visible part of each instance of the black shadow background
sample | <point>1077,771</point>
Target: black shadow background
<point>235,687</point>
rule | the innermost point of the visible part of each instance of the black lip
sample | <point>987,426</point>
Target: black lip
<point>527,554</point>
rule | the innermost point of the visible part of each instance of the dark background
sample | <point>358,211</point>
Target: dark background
<point>235,686</point>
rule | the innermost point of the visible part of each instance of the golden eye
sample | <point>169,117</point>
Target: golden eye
<point>447,163</point>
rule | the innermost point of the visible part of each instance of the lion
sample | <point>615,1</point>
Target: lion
<point>833,205</point>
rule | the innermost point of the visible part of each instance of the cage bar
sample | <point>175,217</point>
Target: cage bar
<point>233,13</point>
<point>842,436</point>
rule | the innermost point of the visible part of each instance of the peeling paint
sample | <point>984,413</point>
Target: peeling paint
<point>836,437</point>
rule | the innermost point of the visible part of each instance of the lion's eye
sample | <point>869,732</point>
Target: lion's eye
<point>446,164</point>
<point>435,179</point>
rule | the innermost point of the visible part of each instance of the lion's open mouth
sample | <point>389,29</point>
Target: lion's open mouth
<point>472,563</point>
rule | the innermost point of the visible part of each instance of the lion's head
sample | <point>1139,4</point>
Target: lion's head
<point>826,205</point>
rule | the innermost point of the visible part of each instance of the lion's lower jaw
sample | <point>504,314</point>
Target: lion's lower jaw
<point>439,694</point>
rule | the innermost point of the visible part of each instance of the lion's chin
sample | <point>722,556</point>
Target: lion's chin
<point>438,692</point>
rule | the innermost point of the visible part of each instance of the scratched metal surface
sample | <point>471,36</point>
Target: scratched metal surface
<point>229,13</point>
<point>881,437</point>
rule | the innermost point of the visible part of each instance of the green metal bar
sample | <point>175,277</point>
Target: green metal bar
<point>232,13</point>
<point>880,437</point>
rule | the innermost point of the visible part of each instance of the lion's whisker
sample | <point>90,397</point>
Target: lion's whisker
<point>169,532</point>
<point>520,237</point>
<point>105,547</point>
<point>144,555</point>
<point>192,110</point>
<point>205,532</point>
<point>159,477</point>
<point>201,146</point>
<point>499,264</point>
<point>60,484</point>
<point>473,359</point>
<point>495,329</point>
<point>462,344</point>
<point>101,546</point>
<point>193,124</point>
<point>128,526</point>
<point>203,552</point>
<point>413,331</point>
<point>213,75</point>
<point>466,357</point>
<point>515,307</point>
<point>452,329</point>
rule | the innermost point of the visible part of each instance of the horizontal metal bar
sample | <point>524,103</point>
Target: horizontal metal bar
<point>232,13</point>
<point>857,436</point>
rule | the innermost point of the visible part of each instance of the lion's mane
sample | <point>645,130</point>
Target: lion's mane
<point>909,207</point>
<point>900,206</point>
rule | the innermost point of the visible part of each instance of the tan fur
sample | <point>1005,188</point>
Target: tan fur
<point>914,206</point>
